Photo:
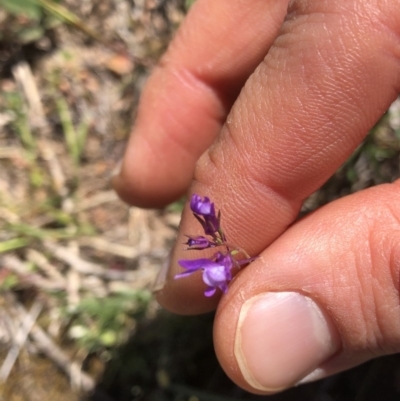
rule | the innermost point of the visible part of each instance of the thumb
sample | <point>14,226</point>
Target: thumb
<point>322,298</point>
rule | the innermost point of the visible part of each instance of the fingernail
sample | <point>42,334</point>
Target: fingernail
<point>281,338</point>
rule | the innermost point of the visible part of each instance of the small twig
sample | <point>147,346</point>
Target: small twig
<point>20,268</point>
<point>73,287</point>
<point>139,228</point>
<point>81,265</point>
<point>100,244</point>
<point>74,261</point>
<point>22,335</point>
<point>89,268</point>
<point>96,200</point>
<point>45,266</point>
<point>54,166</point>
<point>10,152</point>
<point>53,352</point>
<point>95,286</point>
<point>46,345</point>
<point>23,76</point>
<point>37,118</point>
<point>9,330</point>
<point>73,278</point>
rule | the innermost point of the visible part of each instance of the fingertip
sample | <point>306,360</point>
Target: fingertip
<point>149,182</point>
<point>188,95</point>
<point>176,122</point>
<point>180,300</point>
<point>147,192</point>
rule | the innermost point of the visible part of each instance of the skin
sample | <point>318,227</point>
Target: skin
<point>255,105</point>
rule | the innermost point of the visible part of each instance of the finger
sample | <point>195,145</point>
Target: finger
<point>320,89</point>
<point>189,94</point>
<point>322,298</point>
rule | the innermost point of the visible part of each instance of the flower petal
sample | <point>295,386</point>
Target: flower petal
<point>224,287</point>
<point>210,291</point>
<point>214,276</point>
<point>197,264</point>
<point>199,242</point>
<point>181,275</point>
<point>202,206</point>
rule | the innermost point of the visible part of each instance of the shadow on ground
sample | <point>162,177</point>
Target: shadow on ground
<point>171,358</point>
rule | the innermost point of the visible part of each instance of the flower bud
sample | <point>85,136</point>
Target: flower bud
<point>199,242</point>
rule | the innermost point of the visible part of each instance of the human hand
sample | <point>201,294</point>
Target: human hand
<point>274,101</point>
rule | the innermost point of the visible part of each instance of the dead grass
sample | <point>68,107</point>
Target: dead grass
<point>76,263</point>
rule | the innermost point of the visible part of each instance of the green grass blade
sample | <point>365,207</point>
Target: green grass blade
<point>13,244</point>
<point>82,132</point>
<point>70,134</point>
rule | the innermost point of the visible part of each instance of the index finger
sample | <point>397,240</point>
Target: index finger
<point>329,76</point>
<point>187,97</point>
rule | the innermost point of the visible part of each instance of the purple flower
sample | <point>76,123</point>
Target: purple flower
<point>204,211</point>
<point>203,207</point>
<point>216,271</point>
<point>199,242</point>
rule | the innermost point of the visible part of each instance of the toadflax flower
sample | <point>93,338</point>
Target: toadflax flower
<point>204,211</point>
<point>216,270</point>
<point>199,242</point>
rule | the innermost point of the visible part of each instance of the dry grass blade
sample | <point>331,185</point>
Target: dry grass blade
<point>47,346</point>
<point>9,216</point>
<point>103,245</point>
<point>8,329</point>
<point>74,261</point>
<point>45,266</point>
<point>27,323</point>
<point>80,265</point>
<point>52,203</point>
<point>96,200</point>
<point>53,352</point>
<point>56,172</point>
<point>10,152</point>
<point>73,287</point>
<point>23,76</point>
<point>26,81</point>
<point>14,264</point>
